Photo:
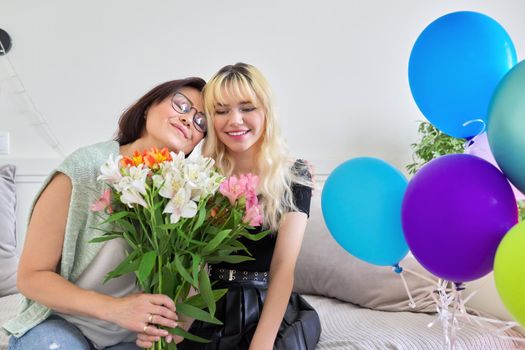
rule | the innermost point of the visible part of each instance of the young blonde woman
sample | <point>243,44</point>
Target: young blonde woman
<point>259,311</point>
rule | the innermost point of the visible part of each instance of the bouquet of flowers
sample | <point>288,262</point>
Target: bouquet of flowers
<point>177,215</point>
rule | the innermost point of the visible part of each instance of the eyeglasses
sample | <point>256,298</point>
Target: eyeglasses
<point>181,104</point>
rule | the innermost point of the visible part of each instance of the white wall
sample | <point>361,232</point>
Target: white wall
<point>338,68</point>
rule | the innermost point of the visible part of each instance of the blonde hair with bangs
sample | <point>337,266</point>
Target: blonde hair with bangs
<point>276,176</point>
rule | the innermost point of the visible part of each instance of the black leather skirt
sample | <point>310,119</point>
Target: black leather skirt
<point>240,310</point>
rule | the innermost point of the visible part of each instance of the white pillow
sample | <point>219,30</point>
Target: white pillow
<point>8,256</point>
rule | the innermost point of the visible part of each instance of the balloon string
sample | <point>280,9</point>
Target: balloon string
<point>451,320</point>
<point>468,142</point>
<point>458,307</point>
<point>399,270</point>
<point>442,300</point>
<point>433,282</point>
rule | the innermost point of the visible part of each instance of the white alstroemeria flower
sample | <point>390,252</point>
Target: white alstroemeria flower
<point>181,206</point>
<point>213,184</point>
<point>158,181</point>
<point>110,171</point>
<point>130,196</point>
<point>133,186</point>
<point>199,171</point>
<point>196,179</point>
<point>193,173</point>
<point>166,171</point>
<point>172,183</point>
<point>178,159</point>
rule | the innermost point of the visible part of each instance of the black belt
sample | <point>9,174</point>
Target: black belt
<point>236,275</point>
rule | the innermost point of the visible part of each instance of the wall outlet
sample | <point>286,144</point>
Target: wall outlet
<point>4,142</point>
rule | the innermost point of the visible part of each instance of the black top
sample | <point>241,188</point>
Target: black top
<point>262,250</point>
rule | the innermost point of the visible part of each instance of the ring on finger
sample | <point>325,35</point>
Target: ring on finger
<point>145,328</point>
<point>150,318</point>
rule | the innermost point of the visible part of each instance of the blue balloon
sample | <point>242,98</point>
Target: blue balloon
<point>361,205</point>
<point>455,66</point>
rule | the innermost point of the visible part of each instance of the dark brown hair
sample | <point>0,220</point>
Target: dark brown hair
<point>132,122</point>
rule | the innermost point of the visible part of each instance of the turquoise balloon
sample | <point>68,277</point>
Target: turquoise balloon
<point>361,203</point>
<point>506,125</point>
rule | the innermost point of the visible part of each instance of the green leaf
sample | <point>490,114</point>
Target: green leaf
<point>236,218</point>
<point>521,210</point>
<point>185,290</point>
<point>129,264</point>
<point>197,243</point>
<point>205,290</point>
<point>106,231</point>
<point>182,234</point>
<point>232,259</point>
<point>227,250</point>
<point>196,260</point>
<point>104,238</point>
<point>197,314</point>
<point>182,333</point>
<point>168,281</point>
<point>211,230</point>
<point>116,216</point>
<point>127,226</point>
<point>214,243</point>
<point>200,219</point>
<point>198,301</point>
<point>131,240</point>
<point>158,215</point>
<point>146,265</point>
<point>238,244</point>
<point>182,270</point>
<point>168,226</point>
<point>255,237</point>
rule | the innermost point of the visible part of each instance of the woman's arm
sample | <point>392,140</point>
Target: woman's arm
<point>39,279</point>
<point>287,247</point>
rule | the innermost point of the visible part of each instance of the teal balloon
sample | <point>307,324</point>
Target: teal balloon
<point>506,125</point>
<point>361,203</point>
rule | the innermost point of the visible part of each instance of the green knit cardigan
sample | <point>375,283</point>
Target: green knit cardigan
<point>82,167</point>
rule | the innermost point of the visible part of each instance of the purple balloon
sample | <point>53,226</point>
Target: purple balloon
<point>455,212</point>
<point>479,147</point>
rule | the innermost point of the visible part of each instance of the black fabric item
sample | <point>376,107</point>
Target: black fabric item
<point>262,250</point>
<point>240,310</point>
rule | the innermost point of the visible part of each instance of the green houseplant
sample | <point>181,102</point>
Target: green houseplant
<point>434,144</point>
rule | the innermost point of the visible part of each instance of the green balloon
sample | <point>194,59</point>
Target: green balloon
<point>506,125</point>
<point>509,271</point>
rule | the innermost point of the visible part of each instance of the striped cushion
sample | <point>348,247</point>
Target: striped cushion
<point>346,326</point>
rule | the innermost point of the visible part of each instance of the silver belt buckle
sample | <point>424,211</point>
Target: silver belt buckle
<point>231,277</point>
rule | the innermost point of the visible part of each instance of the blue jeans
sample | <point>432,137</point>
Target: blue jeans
<point>55,333</point>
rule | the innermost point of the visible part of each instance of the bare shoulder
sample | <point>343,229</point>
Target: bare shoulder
<point>51,208</point>
<point>59,187</point>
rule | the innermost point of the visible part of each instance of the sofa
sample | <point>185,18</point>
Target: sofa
<point>361,306</point>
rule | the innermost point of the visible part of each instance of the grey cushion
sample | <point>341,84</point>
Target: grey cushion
<point>325,268</point>
<point>8,256</point>
<point>349,327</point>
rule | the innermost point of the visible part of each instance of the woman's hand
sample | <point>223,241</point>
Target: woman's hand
<point>142,313</point>
<point>146,341</point>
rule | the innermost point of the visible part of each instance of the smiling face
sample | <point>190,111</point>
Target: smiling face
<point>165,127</point>
<point>238,122</point>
